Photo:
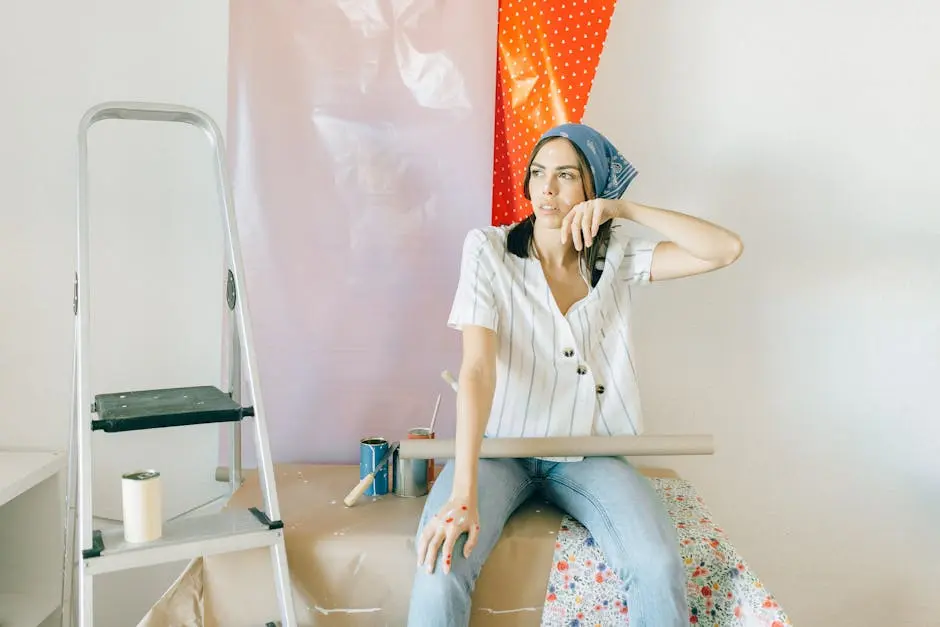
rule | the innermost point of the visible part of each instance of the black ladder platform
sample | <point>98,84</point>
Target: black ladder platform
<point>165,407</point>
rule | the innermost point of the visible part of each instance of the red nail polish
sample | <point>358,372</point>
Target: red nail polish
<point>449,520</point>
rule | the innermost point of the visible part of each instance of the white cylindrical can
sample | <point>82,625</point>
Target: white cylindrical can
<point>143,506</point>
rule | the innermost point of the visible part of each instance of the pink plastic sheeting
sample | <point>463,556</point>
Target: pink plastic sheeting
<point>360,136</point>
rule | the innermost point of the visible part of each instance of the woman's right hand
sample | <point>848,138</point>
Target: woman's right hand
<point>458,516</point>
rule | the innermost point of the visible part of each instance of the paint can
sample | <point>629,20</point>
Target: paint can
<point>142,504</point>
<point>410,476</point>
<point>371,452</point>
<point>424,433</point>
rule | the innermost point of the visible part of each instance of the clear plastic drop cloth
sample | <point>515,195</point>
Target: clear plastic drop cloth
<point>360,138</point>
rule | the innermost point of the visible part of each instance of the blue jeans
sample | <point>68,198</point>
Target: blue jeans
<point>607,495</point>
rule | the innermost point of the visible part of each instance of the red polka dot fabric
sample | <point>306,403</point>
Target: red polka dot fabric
<point>548,52</point>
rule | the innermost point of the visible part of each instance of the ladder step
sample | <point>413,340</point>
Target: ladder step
<point>166,407</point>
<point>186,538</point>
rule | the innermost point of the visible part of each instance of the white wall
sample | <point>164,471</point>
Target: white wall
<point>155,231</point>
<point>810,128</point>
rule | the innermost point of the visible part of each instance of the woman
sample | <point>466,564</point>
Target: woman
<point>544,310</point>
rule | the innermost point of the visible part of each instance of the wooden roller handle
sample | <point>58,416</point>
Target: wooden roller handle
<point>450,380</point>
<point>356,492</point>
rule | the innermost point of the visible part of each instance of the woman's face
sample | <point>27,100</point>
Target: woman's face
<point>555,182</point>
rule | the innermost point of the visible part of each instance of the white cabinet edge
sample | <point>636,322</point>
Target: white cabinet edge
<point>22,469</point>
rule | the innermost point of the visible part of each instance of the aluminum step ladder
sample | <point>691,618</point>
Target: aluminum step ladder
<point>90,552</point>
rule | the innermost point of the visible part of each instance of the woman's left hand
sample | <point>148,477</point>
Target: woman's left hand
<point>585,218</point>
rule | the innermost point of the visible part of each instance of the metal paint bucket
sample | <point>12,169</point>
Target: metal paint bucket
<point>410,476</point>
<point>371,451</point>
<point>424,433</point>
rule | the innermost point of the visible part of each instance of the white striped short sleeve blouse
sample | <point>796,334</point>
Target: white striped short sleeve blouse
<point>557,375</point>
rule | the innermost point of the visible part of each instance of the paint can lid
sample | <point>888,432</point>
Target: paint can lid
<point>141,475</point>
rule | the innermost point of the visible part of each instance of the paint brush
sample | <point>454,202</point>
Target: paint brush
<point>450,379</point>
<point>437,405</point>
<point>356,492</point>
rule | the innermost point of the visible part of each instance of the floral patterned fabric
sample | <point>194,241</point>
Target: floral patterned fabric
<point>722,590</point>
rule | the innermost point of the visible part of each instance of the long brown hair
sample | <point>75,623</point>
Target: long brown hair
<point>520,237</point>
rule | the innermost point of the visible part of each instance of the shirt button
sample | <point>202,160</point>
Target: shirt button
<point>600,389</point>
<point>582,370</point>
<point>568,352</point>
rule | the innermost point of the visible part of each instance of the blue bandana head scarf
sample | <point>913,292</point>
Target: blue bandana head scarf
<point>611,172</point>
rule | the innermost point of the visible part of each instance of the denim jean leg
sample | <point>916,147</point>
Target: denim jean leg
<point>443,600</point>
<point>631,526</point>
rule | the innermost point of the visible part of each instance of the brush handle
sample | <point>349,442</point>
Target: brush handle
<point>356,492</point>
<point>437,406</point>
